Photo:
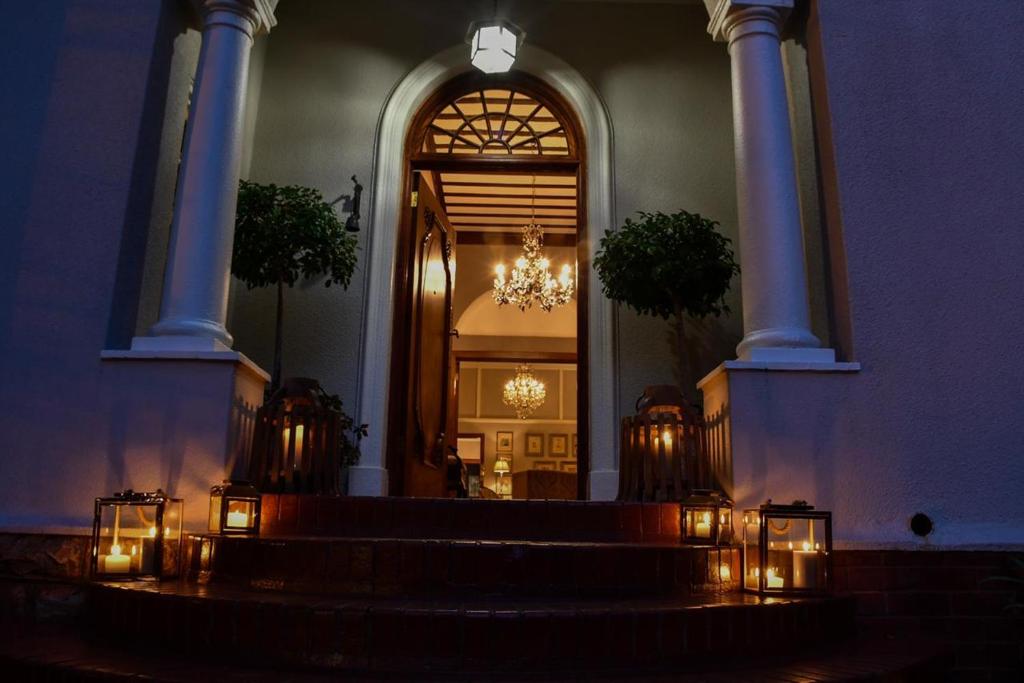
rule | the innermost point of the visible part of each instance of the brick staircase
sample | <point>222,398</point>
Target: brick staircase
<point>411,589</point>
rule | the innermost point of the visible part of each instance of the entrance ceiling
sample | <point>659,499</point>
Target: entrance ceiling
<point>493,203</point>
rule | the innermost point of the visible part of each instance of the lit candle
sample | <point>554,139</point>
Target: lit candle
<point>724,572</point>
<point>239,520</point>
<point>115,562</point>
<point>805,567</point>
<point>703,527</point>
<point>772,580</point>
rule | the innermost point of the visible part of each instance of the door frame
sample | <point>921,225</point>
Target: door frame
<point>369,476</point>
<point>574,164</point>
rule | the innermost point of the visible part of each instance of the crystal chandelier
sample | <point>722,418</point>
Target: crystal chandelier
<point>524,393</point>
<point>531,281</point>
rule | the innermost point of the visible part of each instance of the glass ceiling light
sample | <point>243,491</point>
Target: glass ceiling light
<point>494,44</point>
<point>524,393</point>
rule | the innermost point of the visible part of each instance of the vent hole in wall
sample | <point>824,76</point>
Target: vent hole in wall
<point>921,524</point>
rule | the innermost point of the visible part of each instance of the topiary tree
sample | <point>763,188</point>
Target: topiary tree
<point>286,233</point>
<point>669,265</point>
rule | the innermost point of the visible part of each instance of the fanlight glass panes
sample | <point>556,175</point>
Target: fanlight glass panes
<point>497,122</point>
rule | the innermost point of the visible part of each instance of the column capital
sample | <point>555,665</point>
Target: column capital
<point>259,12</point>
<point>724,14</point>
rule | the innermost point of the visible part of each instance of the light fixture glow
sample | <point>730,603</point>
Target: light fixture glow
<point>524,393</point>
<point>493,45</point>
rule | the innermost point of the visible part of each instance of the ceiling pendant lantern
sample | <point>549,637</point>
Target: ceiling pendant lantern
<point>524,393</point>
<point>493,45</point>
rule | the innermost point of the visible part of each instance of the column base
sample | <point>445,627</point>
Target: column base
<point>789,354</point>
<point>367,480</point>
<point>178,342</point>
<point>604,484</point>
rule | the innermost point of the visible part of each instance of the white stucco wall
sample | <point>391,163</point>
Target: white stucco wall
<point>327,74</point>
<point>922,104</point>
<point>90,137</point>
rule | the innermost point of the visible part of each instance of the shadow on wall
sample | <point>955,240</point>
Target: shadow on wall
<point>181,427</point>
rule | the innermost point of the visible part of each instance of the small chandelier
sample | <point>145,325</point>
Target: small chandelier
<point>493,45</point>
<point>531,280</point>
<point>524,393</point>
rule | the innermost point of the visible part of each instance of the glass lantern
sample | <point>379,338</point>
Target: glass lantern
<point>787,549</point>
<point>493,45</point>
<point>235,509</point>
<point>136,536</point>
<point>707,518</point>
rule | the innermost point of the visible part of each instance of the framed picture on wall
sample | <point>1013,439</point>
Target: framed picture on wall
<point>535,444</point>
<point>504,442</point>
<point>558,445</point>
<point>574,446</point>
<point>567,466</point>
<point>549,465</point>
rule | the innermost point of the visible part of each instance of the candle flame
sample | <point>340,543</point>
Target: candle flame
<point>152,532</point>
<point>115,550</point>
<point>807,545</point>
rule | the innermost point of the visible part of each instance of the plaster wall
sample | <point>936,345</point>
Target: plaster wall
<point>87,138</point>
<point>920,106</point>
<point>326,78</point>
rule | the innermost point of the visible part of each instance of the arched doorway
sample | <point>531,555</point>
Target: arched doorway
<point>370,476</point>
<point>484,156</point>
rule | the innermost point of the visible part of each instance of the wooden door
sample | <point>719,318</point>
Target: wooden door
<point>430,407</point>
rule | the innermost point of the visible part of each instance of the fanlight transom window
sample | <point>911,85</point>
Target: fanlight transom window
<point>496,122</point>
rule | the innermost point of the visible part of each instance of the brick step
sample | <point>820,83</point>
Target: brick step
<point>486,520</point>
<point>463,635</point>
<point>413,567</point>
<point>51,654</point>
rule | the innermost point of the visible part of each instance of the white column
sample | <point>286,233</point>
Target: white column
<point>776,315</point>
<point>195,295</point>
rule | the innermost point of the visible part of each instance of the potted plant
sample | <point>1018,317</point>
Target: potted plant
<point>283,234</point>
<point>669,265</point>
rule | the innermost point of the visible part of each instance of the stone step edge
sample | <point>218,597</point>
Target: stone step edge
<point>409,566</point>
<point>61,653</point>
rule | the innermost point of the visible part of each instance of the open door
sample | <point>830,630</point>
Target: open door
<point>425,432</point>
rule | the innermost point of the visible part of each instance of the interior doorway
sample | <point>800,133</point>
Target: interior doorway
<point>486,155</point>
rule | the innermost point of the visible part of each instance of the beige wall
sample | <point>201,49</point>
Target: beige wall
<point>326,76</point>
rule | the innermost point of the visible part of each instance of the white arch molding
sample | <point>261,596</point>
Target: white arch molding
<point>369,477</point>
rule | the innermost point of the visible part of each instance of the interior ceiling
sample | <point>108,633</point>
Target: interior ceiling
<point>493,203</point>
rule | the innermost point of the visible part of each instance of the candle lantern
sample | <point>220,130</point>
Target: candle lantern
<point>136,535</point>
<point>707,518</point>
<point>235,509</point>
<point>787,549</point>
<point>664,452</point>
<point>296,446</point>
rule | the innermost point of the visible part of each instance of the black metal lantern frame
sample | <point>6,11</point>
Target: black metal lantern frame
<point>707,518</point>
<point>136,535</point>
<point>235,509</point>
<point>787,550</point>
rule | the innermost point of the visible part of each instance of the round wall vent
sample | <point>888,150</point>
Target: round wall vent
<point>921,524</point>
